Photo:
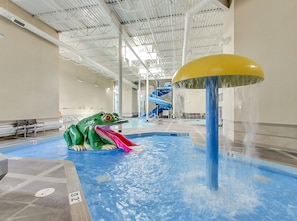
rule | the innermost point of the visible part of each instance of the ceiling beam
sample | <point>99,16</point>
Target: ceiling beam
<point>121,30</point>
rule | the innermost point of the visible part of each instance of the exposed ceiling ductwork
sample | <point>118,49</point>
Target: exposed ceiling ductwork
<point>153,33</point>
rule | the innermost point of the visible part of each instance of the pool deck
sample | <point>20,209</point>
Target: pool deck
<point>27,177</point>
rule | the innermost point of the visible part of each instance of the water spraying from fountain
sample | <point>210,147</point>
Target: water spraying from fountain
<point>212,72</point>
<point>246,109</point>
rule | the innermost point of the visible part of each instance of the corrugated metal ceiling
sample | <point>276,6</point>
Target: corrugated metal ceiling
<point>154,29</point>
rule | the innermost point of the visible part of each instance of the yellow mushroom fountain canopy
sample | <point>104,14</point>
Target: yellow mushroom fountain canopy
<point>231,70</point>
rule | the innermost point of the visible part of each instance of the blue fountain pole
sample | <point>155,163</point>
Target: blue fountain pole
<point>212,133</point>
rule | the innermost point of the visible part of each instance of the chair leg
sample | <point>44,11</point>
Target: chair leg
<point>25,131</point>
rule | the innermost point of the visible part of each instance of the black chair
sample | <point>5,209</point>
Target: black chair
<point>33,125</point>
<point>21,125</point>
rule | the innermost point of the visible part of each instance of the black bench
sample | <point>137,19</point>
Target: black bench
<point>26,126</point>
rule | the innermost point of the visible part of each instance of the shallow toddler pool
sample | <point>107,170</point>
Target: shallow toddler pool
<point>166,182</point>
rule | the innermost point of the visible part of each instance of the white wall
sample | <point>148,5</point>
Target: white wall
<point>194,101</point>
<point>265,31</point>
<point>134,101</point>
<point>129,105</point>
<point>227,105</point>
<point>29,70</point>
<point>85,98</point>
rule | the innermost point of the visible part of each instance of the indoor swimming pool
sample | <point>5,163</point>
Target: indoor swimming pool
<point>166,181</point>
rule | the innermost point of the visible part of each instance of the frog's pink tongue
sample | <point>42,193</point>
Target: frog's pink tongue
<point>120,140</point>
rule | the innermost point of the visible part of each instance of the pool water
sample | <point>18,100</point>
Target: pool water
<point>166,182</point>
<point>137,123</point>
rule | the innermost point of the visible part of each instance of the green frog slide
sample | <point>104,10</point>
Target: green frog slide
<point>94,133</point>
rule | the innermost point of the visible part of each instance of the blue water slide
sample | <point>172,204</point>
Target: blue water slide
<point>156,98</point>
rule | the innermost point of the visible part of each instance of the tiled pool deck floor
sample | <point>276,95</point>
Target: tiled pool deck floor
<point>27,176</point>
<point>23,191</point>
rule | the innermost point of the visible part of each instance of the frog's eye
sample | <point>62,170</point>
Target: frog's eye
<point>107,117</point>
<point>115,114</point>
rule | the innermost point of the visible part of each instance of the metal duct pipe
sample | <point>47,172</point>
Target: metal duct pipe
<point>221,3</point>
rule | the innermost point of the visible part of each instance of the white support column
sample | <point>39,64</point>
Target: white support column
<point>147,96</point>
<point>139,101</point>
<point>120,79</point>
